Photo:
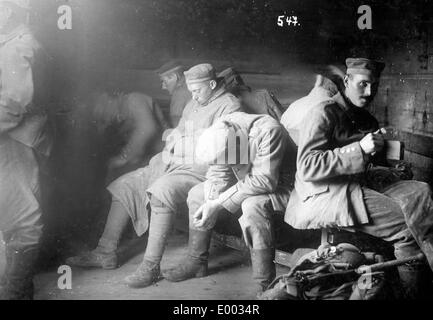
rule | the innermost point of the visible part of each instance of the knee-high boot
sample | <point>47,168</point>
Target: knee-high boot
<point>196,263</point>
<point>104,256</point>
<point>416,281</point>
<point>3,278</point>
<point>19,273</point>
<point>149,270</point>
<point>263,267</point>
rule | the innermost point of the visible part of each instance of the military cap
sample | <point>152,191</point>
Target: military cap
<point>232,80</point>
<point>200,73</point>
<point>23,4</point>
<point>364,66</point>
<point>170,67</point>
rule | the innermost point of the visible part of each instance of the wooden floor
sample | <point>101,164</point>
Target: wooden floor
<point>229,279</point>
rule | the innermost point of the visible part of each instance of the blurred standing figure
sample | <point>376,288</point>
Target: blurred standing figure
<point>130,126</point>
<point>24,143</point>
<point>173,80</point>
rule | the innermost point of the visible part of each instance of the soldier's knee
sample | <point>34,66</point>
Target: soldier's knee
<point>252,207</point>
<point>414,186</point>
<point>154,201</point>
<point>160,186</point>
<point>158,207</point>
<point>424,188</point>
<point>195,195</point>
<point>126,180</point>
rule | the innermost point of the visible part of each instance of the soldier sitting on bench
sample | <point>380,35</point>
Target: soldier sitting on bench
<point>252,184</point>
<point>337,141</point>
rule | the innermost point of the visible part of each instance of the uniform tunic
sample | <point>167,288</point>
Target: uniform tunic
<point>292,118</point>
<point>262,102</point>
<point>327,192</point>
<point>262,184</point>
<point>270,167</point>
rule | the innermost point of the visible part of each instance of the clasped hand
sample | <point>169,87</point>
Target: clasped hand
<point>205,217</point>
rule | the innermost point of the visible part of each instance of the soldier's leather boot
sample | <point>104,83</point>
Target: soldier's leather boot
<point>19,274</point>
<point>416,281</point>
<point>146,274</point>
<point>3,278</point>
<point>94,259</point>
<point>263,266</point>
<point>195,264</point>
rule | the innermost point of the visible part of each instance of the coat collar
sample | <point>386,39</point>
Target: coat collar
<point>218,92</point>
<point>356,114</point>
<point>342,101</point>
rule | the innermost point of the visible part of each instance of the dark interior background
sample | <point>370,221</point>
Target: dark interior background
<point>118,44</point>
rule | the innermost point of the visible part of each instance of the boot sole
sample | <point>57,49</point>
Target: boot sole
<point>199,274</point>
<point>93,266</point>
<point>141,285</point>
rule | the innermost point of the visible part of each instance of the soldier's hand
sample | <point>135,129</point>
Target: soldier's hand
<point>372,143</point>
<point>205,217</point>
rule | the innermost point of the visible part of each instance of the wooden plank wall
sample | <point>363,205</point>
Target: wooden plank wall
<point>287,87</point>
<point>405,101</point>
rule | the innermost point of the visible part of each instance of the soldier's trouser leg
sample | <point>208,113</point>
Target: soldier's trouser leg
<point>20,216</point>
<point>388,214</point>
<point>387,222</point>
<point>257,228</point>
<point>104,256</point>
<point>167,194</point>
<point>161,222</point>
<point>415,200</point>
<point>196,263</point>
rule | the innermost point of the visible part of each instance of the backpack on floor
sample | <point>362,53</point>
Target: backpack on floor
<point>330,273</point>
